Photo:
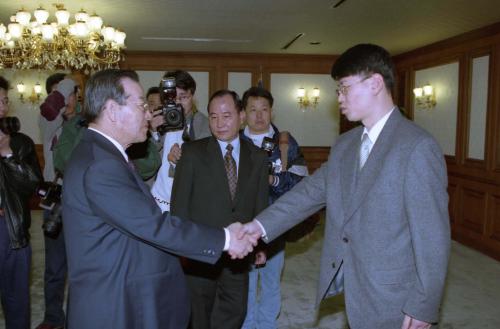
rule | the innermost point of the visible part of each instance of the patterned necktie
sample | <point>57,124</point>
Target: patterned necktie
<point>364,150</point>
<point>232,175</point>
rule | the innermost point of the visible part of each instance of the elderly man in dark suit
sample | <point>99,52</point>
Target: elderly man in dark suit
<point>219,180</point>
<point>122,269</point>
<point>387,234</point>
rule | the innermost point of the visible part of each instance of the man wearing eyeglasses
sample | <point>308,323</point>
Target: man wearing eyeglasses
<point>122,268</point>
<point>387,235</point>
<point>195,127</point>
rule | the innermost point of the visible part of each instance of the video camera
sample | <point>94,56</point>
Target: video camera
<point>9,125</point>
<point>50,193</point>
<point>268,145</point>
<point>172,112</point>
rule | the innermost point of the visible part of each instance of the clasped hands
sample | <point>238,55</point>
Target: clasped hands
<point>243,238</point>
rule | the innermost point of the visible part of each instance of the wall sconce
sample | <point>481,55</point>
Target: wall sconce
<point>304,101</point>
<point>21,89</point>
<point>425,97</point>
<point>35,93</point>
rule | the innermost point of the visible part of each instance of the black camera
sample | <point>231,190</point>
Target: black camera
<point>268,145</point>
<point>172,112</point>
<point>9,125</point>
<point>50,194</point>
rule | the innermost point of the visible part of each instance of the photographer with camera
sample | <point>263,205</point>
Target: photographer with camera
<point>59,106</point>
<point>287,167</point>
<point>194,126</point>
<point>19,176</point>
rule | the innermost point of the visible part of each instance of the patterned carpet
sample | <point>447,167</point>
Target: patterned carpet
<point>471,299</point>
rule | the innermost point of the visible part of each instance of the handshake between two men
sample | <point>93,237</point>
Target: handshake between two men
<point>243,237</point>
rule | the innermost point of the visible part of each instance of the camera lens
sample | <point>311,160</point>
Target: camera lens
<point>10,125</point>
<point>173,118</point>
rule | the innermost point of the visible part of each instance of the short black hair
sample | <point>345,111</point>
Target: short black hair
<point>53,80</point>
<point>183,80</point>
<point>222,93</point>
<point>257,92</point>
<point>365,59</point>
<point>152,90</point>
<point>4,84</point>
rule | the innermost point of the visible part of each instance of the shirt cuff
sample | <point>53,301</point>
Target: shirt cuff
<point>264,233</point>
<point>228,239</point>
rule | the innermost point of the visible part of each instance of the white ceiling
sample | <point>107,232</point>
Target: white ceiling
<point>265,26</point>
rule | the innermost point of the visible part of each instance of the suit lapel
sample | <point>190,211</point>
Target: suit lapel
<point>105,144</point>
<point>373,166</point>
<point>215,160</point>
<point>349,170</point>
<point>244,169</point>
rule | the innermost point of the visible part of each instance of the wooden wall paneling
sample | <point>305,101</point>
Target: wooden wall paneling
<point>436,60</point>
<point>453,199</point>
<point>315,157</point>
<point>493,230</point>
<point>474,187</point>
<point>473,209</point>
<point>493,128</point>
<point>470,162</point>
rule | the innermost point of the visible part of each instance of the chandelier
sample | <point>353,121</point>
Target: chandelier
<point>38,44</point>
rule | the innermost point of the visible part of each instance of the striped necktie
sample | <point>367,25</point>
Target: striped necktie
<point>230,165</point>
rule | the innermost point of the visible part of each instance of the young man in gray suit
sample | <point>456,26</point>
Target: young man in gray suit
<point>120,246</point>
<point>387,234</point>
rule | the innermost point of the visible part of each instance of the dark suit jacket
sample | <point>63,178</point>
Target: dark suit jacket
<point>121,270</point>
<point>201,190</point>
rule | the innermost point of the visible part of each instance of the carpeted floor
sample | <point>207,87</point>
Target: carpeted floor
<point>471,301</point>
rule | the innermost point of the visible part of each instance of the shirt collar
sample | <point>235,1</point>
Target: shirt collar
<point>375,131</point>
<point>112,140</point>
<point>236,146</point>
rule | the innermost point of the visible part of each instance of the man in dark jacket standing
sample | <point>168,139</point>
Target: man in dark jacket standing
<point>19,176</point>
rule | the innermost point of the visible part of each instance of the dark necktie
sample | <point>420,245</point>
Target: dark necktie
<point>232,175</point>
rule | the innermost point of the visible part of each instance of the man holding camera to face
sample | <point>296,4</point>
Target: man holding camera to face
<point>19,176</point>
<point>59,107</point>
<point>286,168</point>
<point>195,127</point>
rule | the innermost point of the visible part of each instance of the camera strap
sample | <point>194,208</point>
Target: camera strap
<point>283,144</point>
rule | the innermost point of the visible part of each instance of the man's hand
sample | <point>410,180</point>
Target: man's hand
<point>5,144</point>
<point>411,323</point>
<point>175,154</point>
<point>240,244</point>
<point>260,258</point>
<point>157,120</point>
<point>253,229</point>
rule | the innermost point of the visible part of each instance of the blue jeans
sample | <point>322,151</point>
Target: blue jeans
<point>14,281</point>
<point>263,310</point>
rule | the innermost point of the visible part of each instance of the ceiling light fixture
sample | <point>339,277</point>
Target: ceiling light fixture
<point>38,44</point>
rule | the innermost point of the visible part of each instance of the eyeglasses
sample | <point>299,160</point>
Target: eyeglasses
<point>183,98</point>
<point>343,89</point>
<point>142,105</point>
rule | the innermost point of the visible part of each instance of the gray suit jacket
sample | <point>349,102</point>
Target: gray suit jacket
<point>122,271</point>
<point>387,234</point>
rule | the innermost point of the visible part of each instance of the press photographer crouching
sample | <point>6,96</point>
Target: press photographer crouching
<point>19,176</point>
